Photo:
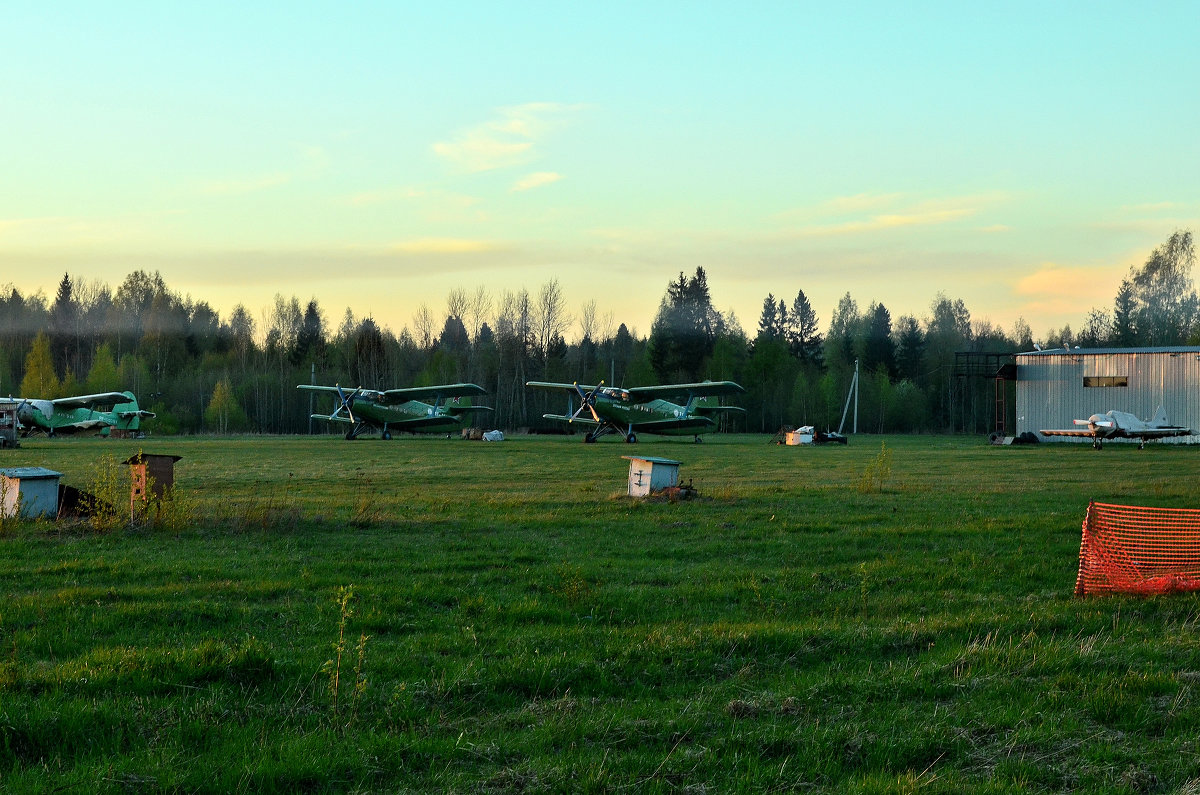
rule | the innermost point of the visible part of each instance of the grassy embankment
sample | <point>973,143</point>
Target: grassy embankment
<point>508,620</point>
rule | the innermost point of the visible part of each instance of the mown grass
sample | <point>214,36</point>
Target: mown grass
<point>517,624</point>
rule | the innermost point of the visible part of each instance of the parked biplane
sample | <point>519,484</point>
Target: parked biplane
<point>643,409</point>
<point>1123,425</point>
<point>401,409</point>
<point>81,414</point>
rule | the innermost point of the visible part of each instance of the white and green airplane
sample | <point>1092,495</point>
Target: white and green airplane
<point>80,414</point>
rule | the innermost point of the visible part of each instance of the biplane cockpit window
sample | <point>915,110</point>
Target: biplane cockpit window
<point>615,394</point>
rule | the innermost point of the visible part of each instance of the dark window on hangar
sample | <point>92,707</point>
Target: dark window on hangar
<point>1105,380</point>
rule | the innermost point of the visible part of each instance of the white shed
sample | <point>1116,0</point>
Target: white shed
<point>648,475</point>
<point>31,490</point>
<point>1056,387</point>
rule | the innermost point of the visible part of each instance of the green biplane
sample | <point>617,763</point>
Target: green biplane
<point>643,409</point>
<point>80,414</point>
<point>401,409</point>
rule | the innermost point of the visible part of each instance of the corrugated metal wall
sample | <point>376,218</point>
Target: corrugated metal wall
<point>1050,390</point>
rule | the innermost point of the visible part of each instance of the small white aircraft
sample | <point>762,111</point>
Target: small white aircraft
<point>1123,425</point>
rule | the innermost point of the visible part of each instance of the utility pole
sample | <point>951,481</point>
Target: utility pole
<point>852,393</point>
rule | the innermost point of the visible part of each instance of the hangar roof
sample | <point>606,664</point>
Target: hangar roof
<point>1109,351</point>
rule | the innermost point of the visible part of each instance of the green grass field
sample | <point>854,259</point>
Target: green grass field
<point>440,615</point>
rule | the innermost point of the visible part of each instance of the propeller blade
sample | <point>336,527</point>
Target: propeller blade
<point>347,402</point>
<point>582,401</point>
<point>587,400</point>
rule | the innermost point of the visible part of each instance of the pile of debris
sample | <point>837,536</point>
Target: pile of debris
<point>674,493</point>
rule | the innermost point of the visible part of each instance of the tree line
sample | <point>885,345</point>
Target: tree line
<point>203,373</point>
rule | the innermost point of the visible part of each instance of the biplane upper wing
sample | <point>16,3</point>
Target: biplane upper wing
<point>393,396</point>
<point>563,387</point>
<point>369,394</point>
<point>85,401</point>
<point>643,394</point>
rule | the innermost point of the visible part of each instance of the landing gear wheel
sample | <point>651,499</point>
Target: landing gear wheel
<point>630,439</point>
<point>698,440</point>
<point>387,436</point>
<point>1096,445</point>
<point>589,438</point>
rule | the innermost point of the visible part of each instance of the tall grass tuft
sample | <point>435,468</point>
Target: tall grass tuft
<point>333,667</point>
<point>877,472</point>
<point>106,500</point>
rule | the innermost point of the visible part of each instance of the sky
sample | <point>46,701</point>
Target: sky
<point>378,155</point>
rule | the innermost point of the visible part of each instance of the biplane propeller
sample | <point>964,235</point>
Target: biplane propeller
<point>587,401</point>
<point>345,402</point>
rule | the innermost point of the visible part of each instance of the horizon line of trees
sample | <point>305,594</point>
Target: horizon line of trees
<point>201,373</point>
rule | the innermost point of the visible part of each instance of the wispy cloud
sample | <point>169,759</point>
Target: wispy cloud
<point>864,201</point>
<point>1051,279</point>
<point>443,245</point>
<point>887,221</point>
<point>244,185</point>
<point>1151,208</point>
<point>307,162</point>
<point>864,213</point>
<point>60,232</point>
<point>384,196</point>
<point>1066,291</point>
<point>505,141</point>
<point>536,180</point>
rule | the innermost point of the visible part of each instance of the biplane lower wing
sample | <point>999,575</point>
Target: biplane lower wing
<point>587,422</point>
<point>680,426</point>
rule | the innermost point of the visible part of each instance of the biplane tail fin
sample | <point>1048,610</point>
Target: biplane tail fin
<point>706,406</point>
<point>129,415</point>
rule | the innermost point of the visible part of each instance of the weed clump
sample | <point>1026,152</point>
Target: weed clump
<point>333,667</point>
<point>877,472</point>
<point>104,501</point>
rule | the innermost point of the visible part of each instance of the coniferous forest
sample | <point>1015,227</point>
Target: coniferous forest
<point>203,373</point>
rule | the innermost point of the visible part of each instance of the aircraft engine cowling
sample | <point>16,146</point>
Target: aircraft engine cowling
<point>25,410</point>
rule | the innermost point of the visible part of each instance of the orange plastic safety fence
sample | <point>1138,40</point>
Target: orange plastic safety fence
<point>1127,549</point>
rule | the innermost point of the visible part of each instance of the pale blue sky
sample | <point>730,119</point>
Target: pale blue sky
<point>377,155</point>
